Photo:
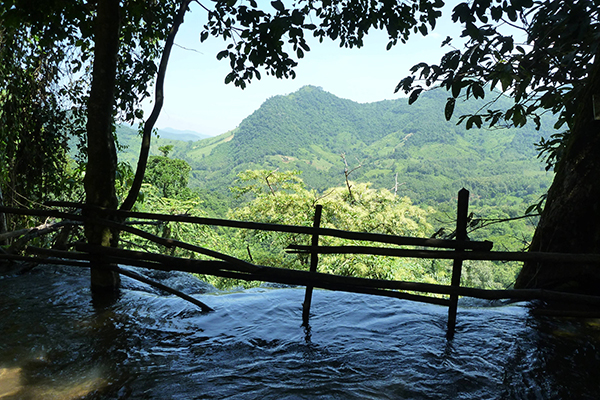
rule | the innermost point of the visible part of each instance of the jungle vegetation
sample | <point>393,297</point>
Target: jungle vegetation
<point>283,182</point>
<point>78,68</point>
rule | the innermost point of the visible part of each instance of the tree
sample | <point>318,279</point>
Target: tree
<point>107,46</point>
<point>555,70</point>
<point>282,199</point>
<point>33,142</point>
<point>169,175</point>
<point>116,44</point>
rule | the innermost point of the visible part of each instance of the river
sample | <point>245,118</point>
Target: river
<point>54,344</point>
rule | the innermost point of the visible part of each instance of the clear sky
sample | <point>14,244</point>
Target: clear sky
<point>197,99</point>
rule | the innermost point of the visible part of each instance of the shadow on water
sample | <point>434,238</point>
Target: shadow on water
<point>56,345</point>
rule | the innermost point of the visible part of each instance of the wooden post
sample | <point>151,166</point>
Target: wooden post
<point>314,260</point>
<point>461,236</point>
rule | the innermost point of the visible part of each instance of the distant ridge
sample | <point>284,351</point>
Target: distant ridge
<point>409,147</point>
<point>176,134</point>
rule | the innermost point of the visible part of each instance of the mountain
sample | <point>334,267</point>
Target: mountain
<point>176,134</point>
<point>387,143</point>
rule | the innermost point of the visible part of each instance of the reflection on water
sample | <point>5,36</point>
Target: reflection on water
<point>56,345</point>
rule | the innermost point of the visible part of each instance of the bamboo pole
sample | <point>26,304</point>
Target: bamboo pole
<point>314,261</point>
<point>243,265</point>
<point>462,210</point>
<point>450,255</point>
<point>84,261</point>
<point>168,289</point>
<point>363,236</point>
<point>301,278</point>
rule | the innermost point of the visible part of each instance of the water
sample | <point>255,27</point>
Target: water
<point>55,345</point>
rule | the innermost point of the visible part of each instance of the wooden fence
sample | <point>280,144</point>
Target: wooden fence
<point>224,265</point>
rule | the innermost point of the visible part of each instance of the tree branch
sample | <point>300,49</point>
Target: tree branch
<point>158,103</point>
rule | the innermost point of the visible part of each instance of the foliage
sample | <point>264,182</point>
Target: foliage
<point>46,58</point>
<point>372,211</point>
<point>154,202</point>
<point>548,72</point>
<point>259,36</point>
<point>169,175</point>
<point>33,145</point>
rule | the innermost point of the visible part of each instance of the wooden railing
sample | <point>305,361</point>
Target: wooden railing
<point>224,265</point>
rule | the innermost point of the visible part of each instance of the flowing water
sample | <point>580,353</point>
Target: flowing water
<point>54,344</point>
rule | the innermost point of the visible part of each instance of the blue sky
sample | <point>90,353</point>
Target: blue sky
<point>197,99</point>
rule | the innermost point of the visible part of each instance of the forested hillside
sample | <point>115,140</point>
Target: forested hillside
<point>310,129</point>
<point>398,157</point>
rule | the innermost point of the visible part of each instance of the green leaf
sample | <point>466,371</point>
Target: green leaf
<point>478,91</point>
<point>278,5</point>
<point>456,87</point>
<point>222,54</point>
<point>496,13</point>
<point>449,109</point>
<point>414,96</point>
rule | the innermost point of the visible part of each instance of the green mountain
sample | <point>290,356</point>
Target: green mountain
<point>412,148</point>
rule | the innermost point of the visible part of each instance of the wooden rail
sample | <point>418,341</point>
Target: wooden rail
<point>227,266</point>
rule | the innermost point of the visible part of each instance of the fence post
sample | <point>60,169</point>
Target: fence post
<point>314,260</point>
<point>461,235</point>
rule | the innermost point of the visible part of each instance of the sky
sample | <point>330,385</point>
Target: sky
<point>197,99</point>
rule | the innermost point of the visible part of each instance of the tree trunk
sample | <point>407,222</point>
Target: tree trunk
<point>570,222</point>
<point>99,180</point>
<point>3,226</point>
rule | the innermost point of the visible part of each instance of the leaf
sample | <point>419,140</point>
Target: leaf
<point>530,208</point>
<point>478,91</point>
<point>456,87</point>
<point>449,109</point>
<point>278,5</point>
<point>414,96</point>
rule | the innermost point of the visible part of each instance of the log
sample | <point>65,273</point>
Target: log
<point>12,234</point>
<point>317,279</point>
<point>363,236</point>
<point>80,262</point>
<point>31,233</point>
<point>224,269</point>
<point>462,210</point>
<point>450,255</point>
<point>314,262</point>
<point>141,278</point>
